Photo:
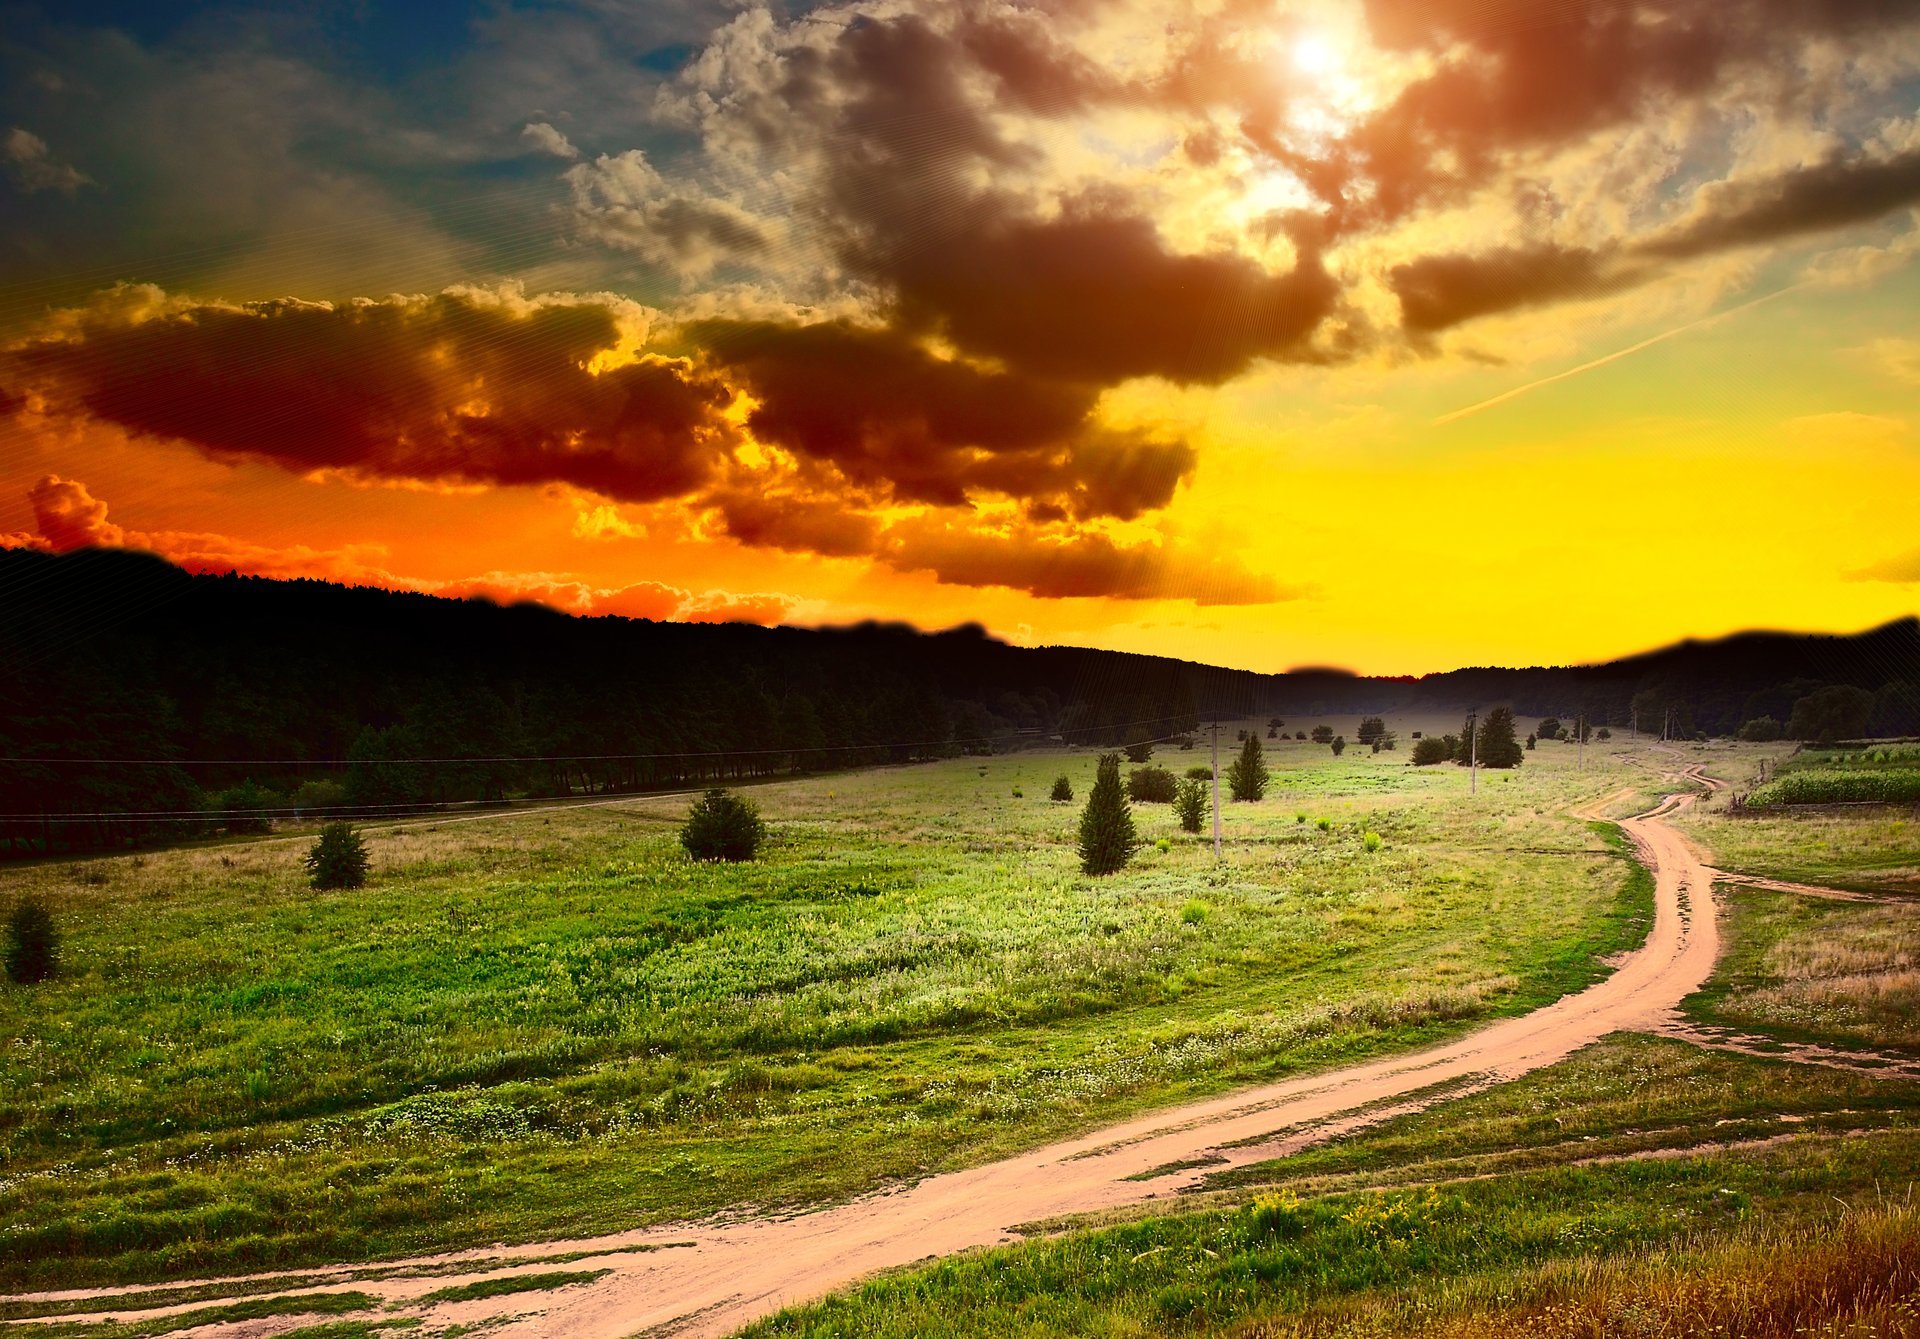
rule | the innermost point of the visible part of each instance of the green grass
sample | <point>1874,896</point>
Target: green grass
<point>1490,1197</point>
<point>1841,785</point>
<point>259,1308</point>
<point>1844,973</point>
<point>507,1287</point>
<point>1872,850</point>
<point>556,1024</point>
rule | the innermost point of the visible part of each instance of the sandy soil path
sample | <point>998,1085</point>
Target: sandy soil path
<point>720,1276</point>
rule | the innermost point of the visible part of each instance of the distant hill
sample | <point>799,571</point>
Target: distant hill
<point>129,687</point>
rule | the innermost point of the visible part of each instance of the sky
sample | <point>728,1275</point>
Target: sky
<point>1396,335</point>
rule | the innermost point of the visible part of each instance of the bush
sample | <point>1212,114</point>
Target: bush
<point>1371,730</point>
<point>1324,824</point>
<point>1299,734</point>
<point>1549,728</point>
<point>1194,912</point>
<point>33,947</point>
<point>1531,743</point>
<point>1248,776</point>
<point>1428,751</point>
<point>722,826</point>
<point>1062,790</point>
<point>1323,734</point>
<point>1107,838</point>
<point>1371,841</point>
<point>1603,733</point>
<point>338,859</point>
<point>1139,752</point>
<point>1200,774</point>
<point>1339,745</point>
<point>322,794</point>
<point>1150,785</point>
<point>1190,803</point>
<point>1761,730</point>
<point>237,808</point>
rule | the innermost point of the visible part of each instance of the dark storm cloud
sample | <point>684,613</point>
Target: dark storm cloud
<point>451,388</point>
<point>1437,292</point>
<point>1840,191</point>
<point>881,409</point>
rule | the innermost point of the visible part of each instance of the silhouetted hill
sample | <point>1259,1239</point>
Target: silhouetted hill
<point>129,686</point>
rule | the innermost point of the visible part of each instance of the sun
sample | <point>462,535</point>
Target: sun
<point>1314,54</point>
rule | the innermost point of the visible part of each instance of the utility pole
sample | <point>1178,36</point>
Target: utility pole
<point>1580,732</point>
<point>1473,753</point>
<point>1216,790</point>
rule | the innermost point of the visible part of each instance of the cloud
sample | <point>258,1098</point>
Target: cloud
<point>1902,569</point>
<point>545,139</point>
<point>67,516</point>
<point>1838,191</point>
<point>1895,358</point>
<point>885,412</point>
<point>1437,292</point>
<point>1068,566</point>
<point>33,167</point>
<point>622,201</point>
<point>464,386</point>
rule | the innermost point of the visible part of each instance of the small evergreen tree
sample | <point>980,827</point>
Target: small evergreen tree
<point>1603,733</point>
<point>1372,729</point>
<point>1248,775</point>
<point>33,946</point>
<point>1139,752</point>
<point>1190,803</point>
<point>1339,745</point>
<point>1498,745</point>
<point>722,826</point>
<point>1531,742</point>
<point>1429,751</point>
<point>1062,790</point>
<point>1549,728</point>
<point>1323,734</point>
<point>1107,838</point>
<point>338,859</point>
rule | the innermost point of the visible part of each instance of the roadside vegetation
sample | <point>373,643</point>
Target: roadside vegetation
<point>546,1024</point>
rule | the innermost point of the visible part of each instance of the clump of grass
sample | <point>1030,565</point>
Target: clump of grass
<point>1194,912</point>
<point>1324,824</point>
<point>1839,785</point>
<point>1371,841</point>
<point>1162,845</point>
<point>511,1284</point>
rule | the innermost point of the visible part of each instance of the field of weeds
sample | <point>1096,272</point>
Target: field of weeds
<point>546,1024</point>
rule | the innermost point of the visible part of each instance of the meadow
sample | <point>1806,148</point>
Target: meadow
<point>554,1023</point>
<point>1643,1186</point>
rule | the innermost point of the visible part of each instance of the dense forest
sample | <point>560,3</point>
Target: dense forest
<point>138,702</point>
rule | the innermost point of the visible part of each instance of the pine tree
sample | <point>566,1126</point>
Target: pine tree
<point>1062,789</point>
<point>1107,838</point>
<point>1190,803</point>
<point>1248,776</point>
<point>1498,745</point>
<point>338,859</point>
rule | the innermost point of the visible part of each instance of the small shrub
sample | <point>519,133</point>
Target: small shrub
<point>1323,734</point>
<point>1190,803</point>
<point>1300,817</point>
<point>1162,845</point>
<point>237,808</point>
<point>1603,733</point>
<point>722,826</point>
<point>1150,785</point>
<point>1339,745</point>
<point>1324,824</point>
<point>1019,794</point>
<point>338,859</point>
<point>33,946</point>
<point>321,794</point>
<point>1062,790</point>
<point>1139,753</point>
<point>1430,751</point>
<point>1199,774</point>
<point>1371,841</point>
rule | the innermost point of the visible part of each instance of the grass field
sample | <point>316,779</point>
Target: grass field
<point>1638,1170</point>
<point>556,1024</point>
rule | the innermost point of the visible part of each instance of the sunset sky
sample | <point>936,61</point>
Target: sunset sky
<point>1396,334</point>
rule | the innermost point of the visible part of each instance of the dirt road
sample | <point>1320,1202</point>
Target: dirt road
<point>718,1277</point>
